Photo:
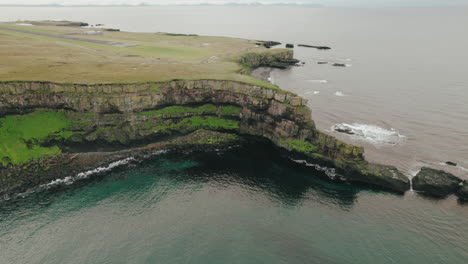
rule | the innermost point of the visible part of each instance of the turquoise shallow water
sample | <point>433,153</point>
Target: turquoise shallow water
<point>244,207</point>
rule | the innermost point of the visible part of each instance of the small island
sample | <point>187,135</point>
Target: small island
<point>68,91</point>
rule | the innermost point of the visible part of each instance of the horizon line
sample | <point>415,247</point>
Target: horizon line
<point>253,4</point>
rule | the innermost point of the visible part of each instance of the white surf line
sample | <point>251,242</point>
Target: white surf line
<point>70,179</point>
<point>330,172</point>
<point>83,175</point>
<point>371,133</point>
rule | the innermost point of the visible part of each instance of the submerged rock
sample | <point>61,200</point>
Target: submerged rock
<point>339,64</point>
<point>436,182</point>
<point>315,47</point>
<point>451,163</point>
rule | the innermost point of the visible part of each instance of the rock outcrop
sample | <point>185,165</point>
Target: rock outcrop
<point>315,47</point>
<point>436,182</point>
<point>278,59</point>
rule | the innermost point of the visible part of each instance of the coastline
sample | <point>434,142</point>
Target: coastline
<point>285,123</point>
<point>129,114</point>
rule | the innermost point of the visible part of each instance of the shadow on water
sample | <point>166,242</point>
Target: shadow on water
<point>259,168</point>
<point>263,170</point>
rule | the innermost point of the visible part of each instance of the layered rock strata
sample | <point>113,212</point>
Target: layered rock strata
<point>127,113</point>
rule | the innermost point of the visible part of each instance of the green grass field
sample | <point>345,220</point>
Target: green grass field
<point>156,56</point>
<point>20,136</point>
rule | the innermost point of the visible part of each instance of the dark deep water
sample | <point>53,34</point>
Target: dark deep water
<point>405,92</point>
<point>240,207</point>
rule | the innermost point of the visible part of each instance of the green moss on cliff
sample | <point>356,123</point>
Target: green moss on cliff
<point>155,88</point>
<point>300,146</point>
<point>277,59</point>
<point>21,136</point>
<point>210,138</point>
<point>230,110</point>
<point>195,123</point>
<point>178,109</point>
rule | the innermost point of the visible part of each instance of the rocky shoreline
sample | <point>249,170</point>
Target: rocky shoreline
<point>179,114</point>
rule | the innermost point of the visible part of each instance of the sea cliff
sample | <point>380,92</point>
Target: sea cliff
<point>130,114</point>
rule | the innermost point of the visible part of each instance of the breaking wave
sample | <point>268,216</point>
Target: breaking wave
<point>339,93</point>
<point>83,175</point>
<point>370,133</point>
<point>80,176</point>
<point>330,172</point>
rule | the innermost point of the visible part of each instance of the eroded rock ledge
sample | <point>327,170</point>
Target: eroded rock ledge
<point>127,114</point>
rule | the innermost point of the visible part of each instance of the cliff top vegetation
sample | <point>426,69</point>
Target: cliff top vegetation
<point>68,53</point>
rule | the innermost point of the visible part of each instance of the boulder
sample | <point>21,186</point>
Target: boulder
<point>462,192</point>
<point>384,176</point>
<point>450,163</point>
<point>436,182</point>
<point>339,64</point>
<point>269,44</point>
<point>289,46</point>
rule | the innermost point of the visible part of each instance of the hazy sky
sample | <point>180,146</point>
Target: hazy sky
<point>322,2</point>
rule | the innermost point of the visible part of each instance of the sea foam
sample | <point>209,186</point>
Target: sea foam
<point>330,172</point>
<point>371,133</point>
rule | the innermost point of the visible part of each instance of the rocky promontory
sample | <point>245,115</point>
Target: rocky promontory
<point>62,114</point>
<point>128,114</point>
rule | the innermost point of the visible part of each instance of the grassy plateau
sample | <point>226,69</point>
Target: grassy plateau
<point>152,57</point>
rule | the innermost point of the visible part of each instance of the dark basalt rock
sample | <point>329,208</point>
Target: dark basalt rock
<point>348,131</point>
<point>72,24</point>
<point>384,176</point>
<point>315,47</point>
<point>289,46</point>
<point>462,192</point>
<point>322,62</point>
<point>179,35</point>
<point>451,163</point>
<point>339,64</point>
<point>283,63</point>
<point>280,60</point>
<point>268,44</point>
<point>436,182</point>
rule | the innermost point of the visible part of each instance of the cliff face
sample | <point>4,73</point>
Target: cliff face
<point>279,59</point>
<point>274,114</point>
<point>127,113</point>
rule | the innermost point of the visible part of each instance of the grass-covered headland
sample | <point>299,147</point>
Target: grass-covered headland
<point>66,88</point>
